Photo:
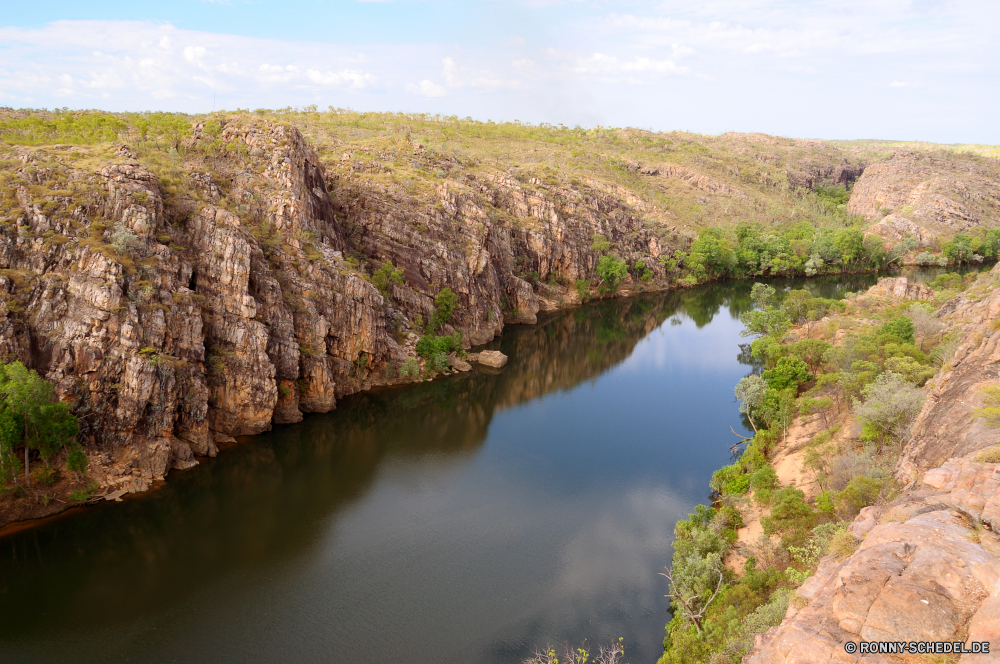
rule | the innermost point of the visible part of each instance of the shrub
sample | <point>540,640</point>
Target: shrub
<point>125,242</point>
<point>792,518</point>
<point>810,351</point>
<point>445,305</point>
<point>583,289</point>
<point>439,361</point>
<point>989,455</point>
<point>730,480</point>
<point>611,271</point>
<point>764,481</point>
<point>900,327</point>
<point>860,492</point>
<point>910,369</point>
<point>430,345</point>
<point>84,494</point>
<point>843,544</point>
<point>387,276</point>
<point>410,368</point>
<point>76,460</point>
<point>991,405</point>
<point>789,372</point>
<point>890,406</point>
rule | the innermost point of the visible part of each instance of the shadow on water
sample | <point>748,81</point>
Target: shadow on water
<point>271,500</point>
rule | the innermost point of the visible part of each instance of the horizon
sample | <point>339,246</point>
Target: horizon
<point>899,70</point>
<point>437,117</point>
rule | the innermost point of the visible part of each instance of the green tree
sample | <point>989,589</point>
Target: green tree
<point>387,276</point>
<point>46,425</point>
<point>810,351</point>
<point>791,518</point>
<point>600,244</point>
<point>762,295</point>
<point>901,327</point>
<point>611,271</point>
<point>769,322</point>
<point>445,305</point>
<point>750,392</point>
<point>788,372</point>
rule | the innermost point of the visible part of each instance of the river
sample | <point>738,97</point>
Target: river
<point>466,520</point>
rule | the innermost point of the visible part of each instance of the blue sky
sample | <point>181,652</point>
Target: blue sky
<point>899,69</point>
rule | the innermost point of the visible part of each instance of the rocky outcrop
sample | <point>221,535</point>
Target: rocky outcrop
<point>903,288</point>
<point>946,426</point>
<point>941,194</point>
<point>928,564</point>
<point>177,311</point>
<point>894,228</point>
<point>491,358</point>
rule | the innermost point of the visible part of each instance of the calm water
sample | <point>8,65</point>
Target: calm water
<point>466,520</point>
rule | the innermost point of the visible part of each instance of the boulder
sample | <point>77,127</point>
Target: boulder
<point>458,364</point>
<point>492,358</point>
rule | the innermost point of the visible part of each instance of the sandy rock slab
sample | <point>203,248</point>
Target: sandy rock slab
<point>492,358</point>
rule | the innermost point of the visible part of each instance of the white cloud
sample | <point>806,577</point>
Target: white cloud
<point>194,53</point>
<point>607,64</point>
<point>356,79</point>
<point>460,77</point>
<point>426,89</point>
<point>524,64</point>
<point>898,84</point>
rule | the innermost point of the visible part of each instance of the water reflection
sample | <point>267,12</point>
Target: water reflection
<point>467,519</point>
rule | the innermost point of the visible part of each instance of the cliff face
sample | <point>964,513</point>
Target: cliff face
<point>927,195</point>
<point>221,282</point>
<point>928,564</point>
<point>177,313</point>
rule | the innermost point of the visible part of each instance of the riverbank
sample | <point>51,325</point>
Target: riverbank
<point>811,530</point>
<point>115,477</point>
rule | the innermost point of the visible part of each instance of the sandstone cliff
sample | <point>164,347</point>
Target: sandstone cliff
<point>185,287</point>
<point>232,291</point>
<point>928,565</point>
<point>927,195</point>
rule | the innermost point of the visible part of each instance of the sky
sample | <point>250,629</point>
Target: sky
<point>846,69</point>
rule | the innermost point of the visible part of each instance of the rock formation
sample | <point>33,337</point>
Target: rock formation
<point>922,195</point>
<point>928,564</point>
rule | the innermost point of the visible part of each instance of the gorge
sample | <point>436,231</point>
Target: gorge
<point>187,283</point>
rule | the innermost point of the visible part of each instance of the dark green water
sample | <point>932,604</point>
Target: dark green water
<point>466,520</point>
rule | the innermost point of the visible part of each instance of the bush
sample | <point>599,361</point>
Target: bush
<point>387,276</point>
<point>764,481</point>
<point>789,372</point>
<point>792,518</point>
<point>125,241</point>
<point>583,289</point>
<point>611,271</point>
<point>76,460</point>
<point>430,345</point>
<point>991,405</point>
<point>860,492</point>
<point>445,305</point>
<point>890,406</point>
<point>439,361</point>
<point>410,368</point>
<point>730,480</point>
<point>900,327</point>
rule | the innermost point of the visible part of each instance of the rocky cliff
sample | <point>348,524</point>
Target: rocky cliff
<point>179,311</point>
<point>927,195</point>
<point>186,285</point>
<point>928,564</point>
